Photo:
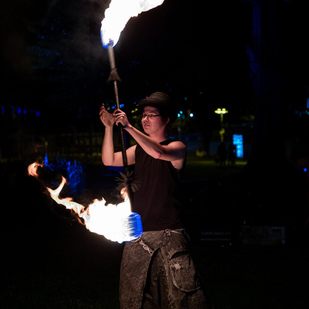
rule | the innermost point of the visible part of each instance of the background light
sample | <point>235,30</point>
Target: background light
<point>238,141</point>
<point>221,111</point>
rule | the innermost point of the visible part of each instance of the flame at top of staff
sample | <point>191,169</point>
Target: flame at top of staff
<point>118,14</point>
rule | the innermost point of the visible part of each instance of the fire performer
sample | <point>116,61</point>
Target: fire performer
<point>157,270</point>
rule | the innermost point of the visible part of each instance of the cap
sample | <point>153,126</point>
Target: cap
<point>161,101</point>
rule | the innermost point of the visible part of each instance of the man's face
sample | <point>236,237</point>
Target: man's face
<point>152,121</point>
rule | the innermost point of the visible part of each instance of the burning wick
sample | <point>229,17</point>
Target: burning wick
<point>114,222</point>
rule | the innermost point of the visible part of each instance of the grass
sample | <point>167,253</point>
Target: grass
<point>207,168</point>
<point>255,277</point>
<point>70,272</point>
<point>81,270</point>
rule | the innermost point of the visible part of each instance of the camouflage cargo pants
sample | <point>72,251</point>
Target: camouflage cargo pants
<point>157,271</point>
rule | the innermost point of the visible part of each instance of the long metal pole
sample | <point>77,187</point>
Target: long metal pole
<point>115,78</point>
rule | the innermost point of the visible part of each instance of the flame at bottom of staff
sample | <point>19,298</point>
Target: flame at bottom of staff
<point>114,222</point>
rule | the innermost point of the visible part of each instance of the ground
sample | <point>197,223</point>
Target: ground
<point>50,261</point>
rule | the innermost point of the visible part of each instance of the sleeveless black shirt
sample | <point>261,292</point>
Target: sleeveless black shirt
<point>157,200</point>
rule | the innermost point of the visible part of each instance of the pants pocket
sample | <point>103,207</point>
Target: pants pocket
<point>183,272</point>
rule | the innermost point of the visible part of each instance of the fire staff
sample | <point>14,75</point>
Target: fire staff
<point>157,270</point>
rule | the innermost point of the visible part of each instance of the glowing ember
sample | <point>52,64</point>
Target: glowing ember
<point>114,222</point>
<point>118,14</point>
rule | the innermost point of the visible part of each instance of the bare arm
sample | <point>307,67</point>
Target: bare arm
<point>109,157</point>
<point>171,152</point>
<point>174,152</point>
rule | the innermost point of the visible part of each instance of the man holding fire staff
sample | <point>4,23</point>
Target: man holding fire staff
<point>157,270</point>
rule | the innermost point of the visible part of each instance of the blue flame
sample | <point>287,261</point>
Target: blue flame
<point>110,43</point>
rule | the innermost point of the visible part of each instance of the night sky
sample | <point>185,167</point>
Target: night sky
<point>52,59</point>
<point>52,53</point>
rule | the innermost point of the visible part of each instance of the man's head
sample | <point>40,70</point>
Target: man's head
<point>162,102</point>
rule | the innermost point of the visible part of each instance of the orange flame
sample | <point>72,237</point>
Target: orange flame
<point>110,220</point>
<point>32,169</point>
<point>68,201</point>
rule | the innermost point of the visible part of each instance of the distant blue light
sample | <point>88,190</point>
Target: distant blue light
<point>191,115</point>
<point>18,110</point>
<point>181,115</point>
<point>74,170</point>
<point>185,98</point>
<point>305,169</point>
<point>238,141</point>
<point>2,110</point>
<point>46,159</point>
<point>25,112</point>
<point>37,113</point>
<point>121,105</point>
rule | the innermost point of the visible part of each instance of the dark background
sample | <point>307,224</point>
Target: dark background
<point>250,57</point>
<point>247,56</point>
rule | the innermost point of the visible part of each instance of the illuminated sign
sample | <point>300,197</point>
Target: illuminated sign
<point>238,141</point>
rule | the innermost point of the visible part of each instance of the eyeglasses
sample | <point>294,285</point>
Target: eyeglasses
<point>149,116</point>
